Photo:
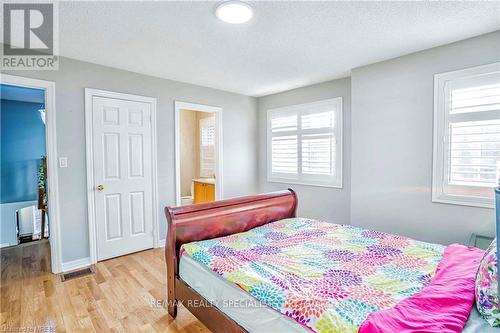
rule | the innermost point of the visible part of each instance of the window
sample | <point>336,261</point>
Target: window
<point>304,143</point>
<point>467,136</point>
<point>207,147</point>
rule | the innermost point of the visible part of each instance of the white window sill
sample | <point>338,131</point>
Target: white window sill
<point>463,200</point>
<point>297,182</point>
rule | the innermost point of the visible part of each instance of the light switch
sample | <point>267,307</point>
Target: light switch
<point>63,162</point>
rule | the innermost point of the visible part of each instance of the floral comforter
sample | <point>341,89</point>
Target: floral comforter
<point>327,277</point>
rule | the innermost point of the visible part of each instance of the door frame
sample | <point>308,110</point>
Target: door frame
<point>89,132</point>
<point>179,106</point>
<point>49,88</point>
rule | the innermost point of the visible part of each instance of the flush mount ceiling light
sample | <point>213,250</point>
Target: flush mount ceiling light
<point>234,12</point>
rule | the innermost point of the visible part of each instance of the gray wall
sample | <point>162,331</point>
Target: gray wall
<point>392,124</point>
<point>239,137</point>
<point>329,204</point>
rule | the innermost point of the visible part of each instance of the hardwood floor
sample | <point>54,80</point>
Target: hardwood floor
<point>125,294</point>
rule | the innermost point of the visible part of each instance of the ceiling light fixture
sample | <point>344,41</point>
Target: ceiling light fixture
<point>234,12</point>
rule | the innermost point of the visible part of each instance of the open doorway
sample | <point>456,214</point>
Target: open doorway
<point>28,166</point>
<point>198,153</point>
<point>23,165</point>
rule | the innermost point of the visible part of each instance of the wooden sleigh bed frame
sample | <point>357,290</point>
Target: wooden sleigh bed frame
<point>216,219</point>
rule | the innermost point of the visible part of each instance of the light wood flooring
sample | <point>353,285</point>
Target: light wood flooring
<point>126,294</point>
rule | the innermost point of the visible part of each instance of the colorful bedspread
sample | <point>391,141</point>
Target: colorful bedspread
<point>327,277</point>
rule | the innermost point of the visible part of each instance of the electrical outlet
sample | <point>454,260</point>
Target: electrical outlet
<point>63,162</point>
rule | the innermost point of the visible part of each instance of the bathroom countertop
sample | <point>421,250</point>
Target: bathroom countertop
<point>205,180</point>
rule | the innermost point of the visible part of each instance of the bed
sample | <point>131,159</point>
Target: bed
<point>249,264</point>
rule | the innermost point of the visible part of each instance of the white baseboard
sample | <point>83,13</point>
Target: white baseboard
<point>161,242</point>
<point>9,244</point>
<point>75,264</point>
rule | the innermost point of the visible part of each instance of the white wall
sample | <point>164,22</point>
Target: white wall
<point>239,121</point>
<point>392,123</point>
<point>329,204</point>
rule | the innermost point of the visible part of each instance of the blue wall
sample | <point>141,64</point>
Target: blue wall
<point>22,145</point>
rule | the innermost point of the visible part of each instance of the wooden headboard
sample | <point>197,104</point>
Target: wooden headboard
<point>225,217</point>
<point>221,218</point>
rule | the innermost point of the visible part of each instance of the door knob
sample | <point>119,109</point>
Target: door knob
<point>100,188</point>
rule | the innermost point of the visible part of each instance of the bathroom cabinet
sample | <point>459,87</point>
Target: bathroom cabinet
<point>204,191</point>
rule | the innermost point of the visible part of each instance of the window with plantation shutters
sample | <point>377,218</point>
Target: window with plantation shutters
<point>207,147</point>
<point>467,136</point>
<point>304,143</point>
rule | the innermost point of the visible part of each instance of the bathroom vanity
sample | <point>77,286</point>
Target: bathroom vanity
<point>204,190</point>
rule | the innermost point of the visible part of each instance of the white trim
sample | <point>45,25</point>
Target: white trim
<point>179,106</point>
<point>52,167</point>
<point>75,264</point>
<point>89,94</point>
<point>441,85</point>
<point>306,108</point>
<point>6,245</point>
<point>161,242</point>
<point>304,183</point>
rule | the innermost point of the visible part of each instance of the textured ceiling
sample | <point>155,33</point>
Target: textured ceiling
<point>286,45</point>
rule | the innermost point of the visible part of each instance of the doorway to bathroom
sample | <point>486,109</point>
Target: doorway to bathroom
<point>198,143</point>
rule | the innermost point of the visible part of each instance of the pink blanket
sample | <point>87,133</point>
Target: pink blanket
<point>442,306</point>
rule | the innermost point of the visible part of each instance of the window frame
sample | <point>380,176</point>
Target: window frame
<point>441,123</point>
<point>299,178</point>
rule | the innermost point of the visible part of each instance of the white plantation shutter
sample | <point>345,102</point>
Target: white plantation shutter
<point>303,143</point>
<point>478,98</point>
<point>469,113</point>
<point>318,150</point>
<point>318,154</point>
<point>207,147</point>
<point>283,123</point>
<point>284,154</point>
<point>318,120</point>
<point>474,152</point>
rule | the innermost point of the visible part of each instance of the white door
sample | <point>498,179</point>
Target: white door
<point>122,152</point>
